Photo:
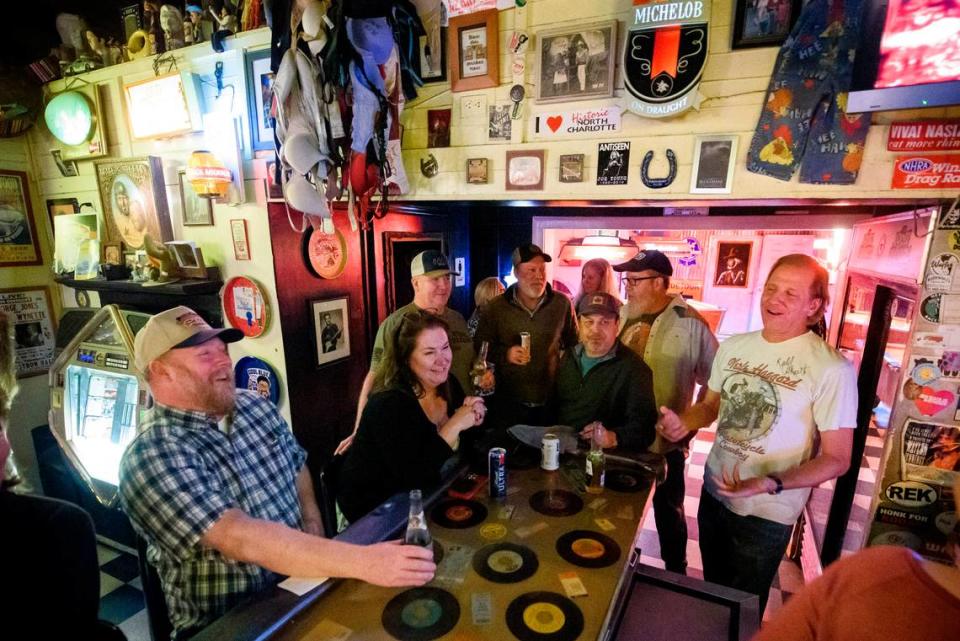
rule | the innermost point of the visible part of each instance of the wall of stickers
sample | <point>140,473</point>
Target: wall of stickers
<point>563,104</point>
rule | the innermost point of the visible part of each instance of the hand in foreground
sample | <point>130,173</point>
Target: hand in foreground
<point>605,437</point>
<point>732,486</point>
<point>344,445</point>
<point>479,407</point>
<point>670,426</point>
<point>518,356</point>
<point>393,564</point>
<point>469,414</point>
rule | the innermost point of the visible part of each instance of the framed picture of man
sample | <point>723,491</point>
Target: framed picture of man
<point>195,210</point>
<point>576,63</point>
<point>733,264</point>
<point>18,228</point>
<point>331,324</point>
<point>133,198</point>
<point>763,23</point>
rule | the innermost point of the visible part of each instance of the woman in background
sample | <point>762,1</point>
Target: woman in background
<point>485,291</point>
<point>596,276</point>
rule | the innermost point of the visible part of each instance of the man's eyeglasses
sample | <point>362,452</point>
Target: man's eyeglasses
<point>634,281</point>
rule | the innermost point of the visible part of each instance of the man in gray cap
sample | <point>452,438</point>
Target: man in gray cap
<point>677,344</point>
<point>219,488</point>
<point>601,385</point>
<point>525,377</point>
<point>430,274</point>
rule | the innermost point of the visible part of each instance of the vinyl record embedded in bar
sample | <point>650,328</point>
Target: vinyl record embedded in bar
<point>505,562</point>
<point>544,616</point>
<point>556,503</point>
<point>621,480</point>
<point>458,514</point>
<point>588,549</point>
<point>421,614</point>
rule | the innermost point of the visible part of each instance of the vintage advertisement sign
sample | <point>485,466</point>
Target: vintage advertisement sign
<point>665,53</point>
<point>30,313</point>
<point>924,135</point>
<point>926,171</point>
<point>571,124</point>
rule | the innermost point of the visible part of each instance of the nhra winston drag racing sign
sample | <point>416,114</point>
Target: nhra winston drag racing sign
<point>664,56</point>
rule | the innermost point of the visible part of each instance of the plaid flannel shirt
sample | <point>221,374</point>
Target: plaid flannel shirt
<point>179,477</point>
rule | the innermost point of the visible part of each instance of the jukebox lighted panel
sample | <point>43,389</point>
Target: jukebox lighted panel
<point>97,396</point>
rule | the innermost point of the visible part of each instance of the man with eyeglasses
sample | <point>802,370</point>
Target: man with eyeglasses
<point>430,274</point>
<point>677,344</point>
<point>603,386</point>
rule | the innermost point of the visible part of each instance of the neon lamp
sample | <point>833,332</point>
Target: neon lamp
<point>69,118</point>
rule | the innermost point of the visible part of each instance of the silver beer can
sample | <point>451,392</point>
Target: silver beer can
<point>550,452</point>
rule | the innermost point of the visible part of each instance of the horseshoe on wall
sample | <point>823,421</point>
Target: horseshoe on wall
<point>658,183</point>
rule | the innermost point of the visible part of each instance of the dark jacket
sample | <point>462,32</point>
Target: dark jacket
<point>617,391</point>
<point>552,328</point>
<point>396,449</point>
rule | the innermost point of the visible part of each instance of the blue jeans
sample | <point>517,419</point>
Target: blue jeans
<point>804,118</point>
<point>741,552</point>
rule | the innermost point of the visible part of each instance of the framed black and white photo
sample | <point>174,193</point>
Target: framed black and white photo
<point>571,168</point>
<point>576,63</point>
<point>260,98</point>
<point>195,210</point>
<point>713,161</point>
<point>733,264</point>
<point>524,169</point>
<point>331,325</point>
<point>499,124</point>
<point>61,206</point>
<point>763,23</point>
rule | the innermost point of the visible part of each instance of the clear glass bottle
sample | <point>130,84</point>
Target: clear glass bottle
<point>417,532</point>
<point>596,463</point>
<point>481,375</point>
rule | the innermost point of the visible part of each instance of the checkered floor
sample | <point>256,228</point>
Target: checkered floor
<point>121,593</point>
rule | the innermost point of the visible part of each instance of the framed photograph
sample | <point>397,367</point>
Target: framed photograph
<point>713,161</point>
<point>524,170</point>
<point>433,55</point>
<point>499,124</point>
<point>473,43</point>
<point>111,253</point>
<point>260,98</point>
<point>438,124</point>
<point>189,258</point>
<point>133,199</point>
<point>34,327</point>
<point>241,244</point>
<point>477,171</point>
<point>733,264</point>
<point>19,244</point>
<point>331,328</point>
<point>571,168</point>
<point>58,206</point>
<point>575,63</point>
<point>763,23</point>
<point>195,210</point>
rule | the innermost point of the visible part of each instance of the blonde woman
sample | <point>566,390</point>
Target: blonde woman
<point>485,291</point>
<point>596,276</point>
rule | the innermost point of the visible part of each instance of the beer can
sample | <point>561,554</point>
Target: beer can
<point>550,452</point>
<point>525,341</point>
<point>497,467</point>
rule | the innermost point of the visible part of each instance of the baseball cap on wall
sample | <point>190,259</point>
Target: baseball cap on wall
<point>173,329</point>
<point>599,303</point>
<point>647,259</point>
<point>430,263</point>
<point>527,252</point>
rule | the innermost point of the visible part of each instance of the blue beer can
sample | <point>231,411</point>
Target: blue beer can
<point>497,467</point>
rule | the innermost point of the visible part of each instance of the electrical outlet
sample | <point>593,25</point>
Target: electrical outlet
<point>473,107</point>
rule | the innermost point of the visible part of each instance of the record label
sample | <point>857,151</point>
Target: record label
<point>588,549</point>
<point>544,616</point>
<point>505,562</point>
<point>458,513</point>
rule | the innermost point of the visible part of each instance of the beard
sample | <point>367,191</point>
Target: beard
<point>213,396</point>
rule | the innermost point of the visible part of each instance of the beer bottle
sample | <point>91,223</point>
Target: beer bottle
<point>481,375</point>
<point>596,463</point>
<point>417,532</point>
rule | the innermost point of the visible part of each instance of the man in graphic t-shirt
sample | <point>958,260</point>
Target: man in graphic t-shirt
<point>775,392</point>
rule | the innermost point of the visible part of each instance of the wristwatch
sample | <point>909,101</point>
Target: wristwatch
<point>779,487</point>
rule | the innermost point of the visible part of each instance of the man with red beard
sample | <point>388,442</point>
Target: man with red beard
<point>219,488</point>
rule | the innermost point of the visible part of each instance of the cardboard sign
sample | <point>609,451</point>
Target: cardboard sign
<point>924,135</point>
<point>586,122</point>
<point>926,172</point>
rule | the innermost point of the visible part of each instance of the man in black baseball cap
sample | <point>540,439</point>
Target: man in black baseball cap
<point>677,344</point>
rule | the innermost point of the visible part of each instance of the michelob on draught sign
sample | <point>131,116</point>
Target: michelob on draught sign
<point>664,56</point>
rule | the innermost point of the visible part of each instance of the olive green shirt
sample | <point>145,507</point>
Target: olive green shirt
<point>460,342</point>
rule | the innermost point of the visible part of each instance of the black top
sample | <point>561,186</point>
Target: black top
<point>396,449</point>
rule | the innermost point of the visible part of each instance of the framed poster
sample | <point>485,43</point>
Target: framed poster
<point>524,169</point>
<point>34,328</point>
<point>18,228</point>
<point>58,206</point>
<point>575,63</point>
<point>260,98</point>
<point>133,198</point>
<point>499,123</point>
<point>195,210</point>
<point>433,56</point>
<point>763,23</point>
<point>713,160</point>
<point>241,244</point>
<point>473,44</point>
<point>733,264</point>
<point>438,127</point>
<point>111,253</point>
<point>331,327</point>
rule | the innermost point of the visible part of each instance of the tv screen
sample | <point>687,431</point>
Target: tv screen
<point>908,57</point>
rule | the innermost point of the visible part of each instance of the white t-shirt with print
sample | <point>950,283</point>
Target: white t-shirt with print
<point>774,397</point>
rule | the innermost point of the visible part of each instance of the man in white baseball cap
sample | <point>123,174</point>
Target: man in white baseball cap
<point>218,486</point>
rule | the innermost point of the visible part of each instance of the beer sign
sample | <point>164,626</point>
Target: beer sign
<point>664,56</point>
